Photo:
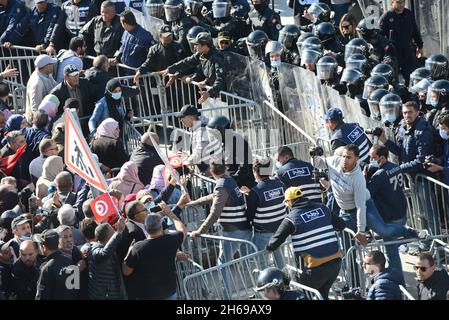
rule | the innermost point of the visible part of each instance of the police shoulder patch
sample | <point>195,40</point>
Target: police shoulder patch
<point>278,26</point>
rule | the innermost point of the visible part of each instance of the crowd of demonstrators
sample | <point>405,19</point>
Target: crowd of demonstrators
<point>49,232</point>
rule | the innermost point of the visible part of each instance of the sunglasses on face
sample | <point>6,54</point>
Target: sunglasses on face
<point>346,26</point>
<point>423,269</point>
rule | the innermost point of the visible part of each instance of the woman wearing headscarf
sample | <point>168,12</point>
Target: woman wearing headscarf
<point>50,105</point>
<point>110,106</point>
<point>107,146</point>
<point>52,166</point>
<point>127,181</point>
<point>15,122</point>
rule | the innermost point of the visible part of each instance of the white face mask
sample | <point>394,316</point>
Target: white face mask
<point>116,95</point>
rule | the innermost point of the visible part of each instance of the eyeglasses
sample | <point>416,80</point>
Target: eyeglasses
<point>423,269</point>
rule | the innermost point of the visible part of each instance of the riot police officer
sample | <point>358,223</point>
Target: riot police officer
<point>255,43</point>
<point>223,20</point>
<point>358,61</point>
<point>191,35</point>
<point>325,31</point>
<point>390,110</point>
<point>327,68</point>
<point>313,239</point>
<point>317,13</point>
<point>384,50</point>
<point>274,284</point>
<point>274,53</point>
<point>438,99</point>
<point>309,58</point>
<point>346,133</point>
<point>373,83</point>
<point>179,21</point>
<point>297,173</point>
<point>438,65</point>
<point>301,40</point>
<point>418,93</point>
<point>417,75</point>
<point>353,80</point>
<point>234,149</point>
<point>262,17</point>
<point>288,37</point>
<point>155,8</point>
<point>373,102</point>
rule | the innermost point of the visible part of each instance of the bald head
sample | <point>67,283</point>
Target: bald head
<point>28,252</point>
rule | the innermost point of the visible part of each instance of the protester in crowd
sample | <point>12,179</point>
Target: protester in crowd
<point>146,157</point>
<point>433,284</point>
<point>127,181</point>
<point>47,148</point>
<point>52,166</point>
<point>107,144</point>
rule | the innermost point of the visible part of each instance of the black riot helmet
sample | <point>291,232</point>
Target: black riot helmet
<point>357,61</point>
<point>193,32</point>
<point>367,29</point>
<point>373,83</point>
<point>438,65</point>
<point>356,45</point>
<point>193,7</point>
<point>320,12</point>
<point>220,123</point>
<point>256,42</point>
<point>173,10</point>
<point>221,9</point>
<point>326,68</point>
<point>312,43</point>
<point>353,79</point>
<point>289,35</point>
<point>155,8</point>
<point>303,36</point>
<point>438,93</point>
<point>374,100</point>
<point>325,31</point>
<point>418,75</point>
<point>385,70</point>
<point>272,277</point>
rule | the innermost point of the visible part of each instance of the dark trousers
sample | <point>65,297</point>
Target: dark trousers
<point>321,277</point>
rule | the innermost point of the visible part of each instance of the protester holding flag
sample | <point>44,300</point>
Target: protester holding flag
<point>107,145</point>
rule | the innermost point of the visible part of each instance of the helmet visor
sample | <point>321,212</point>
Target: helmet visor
<point>326,71</point>
<point>310,56</point>
<point>355,63</point>
<point>172,13</point>
<point>433,96</point>
<point>437,69</point>
<point>194,6</point>
<point>350,75</point>
<point>256,51</point>
<point>155,10</point>
<point>286,38</point>
<point>374,109</point>
<point>350,49</point>
<point>220,9</point>
<point>368,89</point>
<point>389,108</point>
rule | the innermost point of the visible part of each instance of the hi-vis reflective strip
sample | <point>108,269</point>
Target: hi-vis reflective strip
<point>78,156</point>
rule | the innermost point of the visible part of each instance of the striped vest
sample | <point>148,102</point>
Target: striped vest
<point>314,234</point>
<point>76,16</point>
<point>271,209</point>
<point>234,211</point>
<point>298,173</point>
<point>352,133</point>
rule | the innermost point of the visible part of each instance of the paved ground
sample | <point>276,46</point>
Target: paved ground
<point>285,12</point>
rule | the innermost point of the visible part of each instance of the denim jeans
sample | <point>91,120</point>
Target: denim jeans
<point>227,250</point>
<point>260,240</point>
<point>174,296</point>
<point>392,251</point>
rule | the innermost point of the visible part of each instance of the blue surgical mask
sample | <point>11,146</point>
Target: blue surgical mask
<point>116,95</point>
<point>276,63</point>
<point>278,165</point>
<point>391,118</point>
<point>374,164</point>
<point>444,135</point>
<point>434,103</point>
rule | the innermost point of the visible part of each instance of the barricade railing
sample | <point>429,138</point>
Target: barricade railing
<point>326,145</point>
<point>193,217</point>
<point>18,93</point>
<point>432,197</point>
<point>183,269</point>
<point>405,294</point>
<point>241,279</point>
<point>202,186</point>
<point>357,253</point>
<point>20,58</point>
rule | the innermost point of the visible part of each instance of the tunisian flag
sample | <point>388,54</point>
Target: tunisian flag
<point>8,163</point>
<point>104,207</point>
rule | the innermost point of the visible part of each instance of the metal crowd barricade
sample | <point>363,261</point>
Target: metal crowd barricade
<point>18,92</point>
<point>184,269</point>
<point>432,197</point>
<point>202,186</point>
<point>358,252</point>
<point>405,294</point>
<point>193,217</point>
<point>242,279</point>
<point>21,58</point>
<point>204,249</point>
<point>440,250</point>
<point>326,145</point>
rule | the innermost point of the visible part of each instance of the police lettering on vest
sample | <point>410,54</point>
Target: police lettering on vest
<point>271,209</point>
<point>297,173</point>
<point>314,234</point>
<point>234,211</point>
<point>352,133</point>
